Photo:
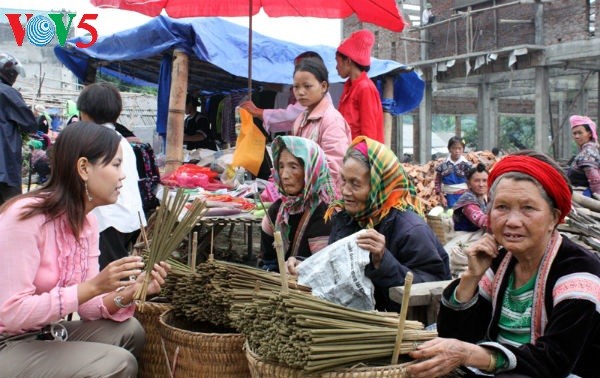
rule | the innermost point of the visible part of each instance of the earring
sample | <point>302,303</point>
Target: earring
<point>87,192</point>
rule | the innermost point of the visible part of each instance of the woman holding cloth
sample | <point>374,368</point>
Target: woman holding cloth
<point>378,196</point>
<point>528,303</point>
<point>584,170</point>
<point>49,248</point>
<point>302,177</point>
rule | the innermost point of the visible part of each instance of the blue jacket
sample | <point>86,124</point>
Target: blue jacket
<point>410,245</point>
<point>15,118</point>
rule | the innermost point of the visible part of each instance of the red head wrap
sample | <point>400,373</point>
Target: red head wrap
<point>552,181</point>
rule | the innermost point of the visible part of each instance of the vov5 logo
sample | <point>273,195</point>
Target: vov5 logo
<point>40,29</point>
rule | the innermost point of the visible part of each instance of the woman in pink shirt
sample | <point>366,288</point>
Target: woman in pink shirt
<point>320,122</point>
<point>49,249</point>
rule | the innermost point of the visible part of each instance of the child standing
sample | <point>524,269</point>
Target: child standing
<point>320,121</point>
<point>450,178</point>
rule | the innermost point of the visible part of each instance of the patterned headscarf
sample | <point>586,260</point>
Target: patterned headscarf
<point>390,187</point>
<point>318,186</point>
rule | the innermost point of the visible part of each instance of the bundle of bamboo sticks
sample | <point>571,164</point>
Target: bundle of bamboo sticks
<point>308,333</point>
<point>171,228</point>
<point>218,291</point>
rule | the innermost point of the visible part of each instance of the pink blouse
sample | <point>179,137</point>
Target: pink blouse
<point>42,264</point>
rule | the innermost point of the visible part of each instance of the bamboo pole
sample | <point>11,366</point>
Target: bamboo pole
<point>194,251</point>
<point>405,299</point>
<point>179,80</point>
<point>388,93</point>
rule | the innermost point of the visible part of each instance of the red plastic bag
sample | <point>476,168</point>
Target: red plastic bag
<point>192,176</point>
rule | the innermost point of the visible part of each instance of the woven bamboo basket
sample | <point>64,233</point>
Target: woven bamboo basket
<point>201,354</point>
<point>265,369</point>
<point>438,227</point>
<point>152,361</point>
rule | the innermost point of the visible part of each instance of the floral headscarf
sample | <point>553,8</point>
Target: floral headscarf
<point>390,187</point>
<point>318,186</point>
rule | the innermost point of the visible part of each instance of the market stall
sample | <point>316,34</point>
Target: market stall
<point>208,55</point>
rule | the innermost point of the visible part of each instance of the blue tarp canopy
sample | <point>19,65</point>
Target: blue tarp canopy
<point>218,51</point>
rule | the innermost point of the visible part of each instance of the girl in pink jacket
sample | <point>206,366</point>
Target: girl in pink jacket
<point>320,122</point>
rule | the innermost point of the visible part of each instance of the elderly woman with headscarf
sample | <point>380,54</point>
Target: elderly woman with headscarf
<point>584,169</point>
<point>528,303</point>
<point>377,195</point>
<point>302,177</point>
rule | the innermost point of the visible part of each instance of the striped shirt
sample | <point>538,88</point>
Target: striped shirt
<point>515,316</point>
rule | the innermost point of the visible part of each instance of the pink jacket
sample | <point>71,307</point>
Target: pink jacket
<point>282,120</point>
<point>328,128</point>
<point>42,264</point>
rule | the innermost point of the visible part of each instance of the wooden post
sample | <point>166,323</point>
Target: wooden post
<point>388,92</point>
<point>179,81</point>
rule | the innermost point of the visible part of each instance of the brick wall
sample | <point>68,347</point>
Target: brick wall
<point>564,20</point>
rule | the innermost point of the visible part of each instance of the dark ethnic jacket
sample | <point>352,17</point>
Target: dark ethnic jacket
<point>565,315</point>
<point>410,245</point>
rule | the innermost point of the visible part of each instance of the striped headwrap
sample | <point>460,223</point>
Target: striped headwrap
<point>390,187</point>
<point>318,186</point>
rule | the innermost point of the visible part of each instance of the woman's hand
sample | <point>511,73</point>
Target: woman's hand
<point>114,275</point>
<point>439,357</point>
<point>479,258</point>
<point>252,108</point>
<point>480,255</point>
<point>159,273</point>
<point>374,242</point>
<point>291,266</point>
<point>443,201</point>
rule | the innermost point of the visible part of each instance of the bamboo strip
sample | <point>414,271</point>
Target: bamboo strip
<point>401,322</point>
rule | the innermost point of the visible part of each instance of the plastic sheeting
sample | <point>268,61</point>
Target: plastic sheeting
<point>221,47</point>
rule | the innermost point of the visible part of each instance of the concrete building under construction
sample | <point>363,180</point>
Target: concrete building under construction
<point>493,58</point>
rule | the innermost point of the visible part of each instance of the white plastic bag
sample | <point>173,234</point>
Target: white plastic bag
<point>337,274</point>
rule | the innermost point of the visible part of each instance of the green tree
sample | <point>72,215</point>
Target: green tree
<point>516,133</point>
<point>441,122</point>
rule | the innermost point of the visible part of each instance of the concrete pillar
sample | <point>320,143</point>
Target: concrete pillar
<point>457,125</point>
<point>564,142</point>
<point>484,110</point>
<point>542,111</point>
<point>584,100</point>
<point>422,136</point>
<point>179,80</point>
<point>494,133</point>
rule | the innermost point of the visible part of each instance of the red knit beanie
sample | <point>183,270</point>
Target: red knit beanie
<point>358,46</point>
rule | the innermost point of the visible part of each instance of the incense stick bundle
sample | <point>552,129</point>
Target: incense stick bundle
<point>169,231</point>
<point>219,290</point>
<point>305,332</point>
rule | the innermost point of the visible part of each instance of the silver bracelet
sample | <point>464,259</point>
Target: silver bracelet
<point>118,302</point>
